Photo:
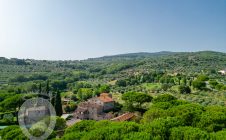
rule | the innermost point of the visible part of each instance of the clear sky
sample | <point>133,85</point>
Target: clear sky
<point>79,29</point>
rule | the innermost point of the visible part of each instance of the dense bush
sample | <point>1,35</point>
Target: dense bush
<point>164,98</point>
<point>12,132</point>
<point>200,85</point>
<point>184,89</point>
<point>188,133</point>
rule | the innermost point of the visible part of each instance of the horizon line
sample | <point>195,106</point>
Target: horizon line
<point>111,55</point>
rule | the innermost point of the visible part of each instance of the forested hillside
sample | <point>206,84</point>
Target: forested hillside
<point>175,95</point>
<point>172,62</point>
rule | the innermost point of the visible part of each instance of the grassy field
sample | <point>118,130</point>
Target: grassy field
<point>151,86</point>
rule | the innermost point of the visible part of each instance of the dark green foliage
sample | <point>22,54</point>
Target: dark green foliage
<point>203,78</point>
<point>40,88</point>
<point>85,93</point>
<point>153,113</point>
<point>200,85</point>
<point>11,133</point>
<point>74,98</point>
<point>220,87</point>
<point>12,103</point>
<point>184,89</point>
<point>117,107</point>
<point>38,77</point>
<point>70,108</point>
<point>58,85</point>
<point>220,135</point>
<point>47,87</point>
<point>58,104</point>
<point>188,133</point>
<point>89,130</point>
<point>184,81</point>
<point>52,100</point>
<point>166,80</point>
<point>161,127</point>
<point>213,83</point>
<point>137,136</point>
<point>134,100</point>
<point>104,89</point>
<point>60,124</point>
<point>121,83</point>
<point>165,87</point>
<point>189,113</point>
<point>22,78</point>
<point>162,105</point>
<point>6,95</point>
<point>81,126</point>
<point>164,98</point>
<point>213,120</point>
<point>19,78</point>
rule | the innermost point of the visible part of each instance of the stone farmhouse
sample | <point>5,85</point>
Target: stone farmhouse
<point>95,108</point>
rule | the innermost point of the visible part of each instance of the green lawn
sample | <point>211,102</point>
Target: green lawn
<point>151,86</point>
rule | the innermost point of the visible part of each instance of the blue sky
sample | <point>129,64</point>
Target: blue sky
<point>79,29</point>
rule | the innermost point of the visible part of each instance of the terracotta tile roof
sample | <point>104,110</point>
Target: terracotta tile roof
<point>124,117</point>
<point>104,94</point>
<point>105,97</point>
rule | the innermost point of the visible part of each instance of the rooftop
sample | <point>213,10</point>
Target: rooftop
<point>105,97</point>
<point>124,117</point>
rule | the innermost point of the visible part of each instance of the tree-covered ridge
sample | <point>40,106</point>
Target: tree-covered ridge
<point>116,66</point>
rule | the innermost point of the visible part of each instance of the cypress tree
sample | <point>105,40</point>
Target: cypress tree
<point>52,99</point>
<point>47,90</point>
<point>40,88</point>
<point>179,78</point>
<point>47,87</point>
<point>58,104</point>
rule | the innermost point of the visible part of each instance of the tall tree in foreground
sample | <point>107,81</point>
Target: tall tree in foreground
<point>58,104</point>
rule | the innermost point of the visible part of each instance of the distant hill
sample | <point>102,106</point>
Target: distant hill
<point>141,55</point>
<point>134,55</point>
<point>171,61</point>
<point>117,65</point>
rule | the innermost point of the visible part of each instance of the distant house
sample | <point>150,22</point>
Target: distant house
<point>223,72</point>
<point>105,100</point>
<point>95,108</point>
